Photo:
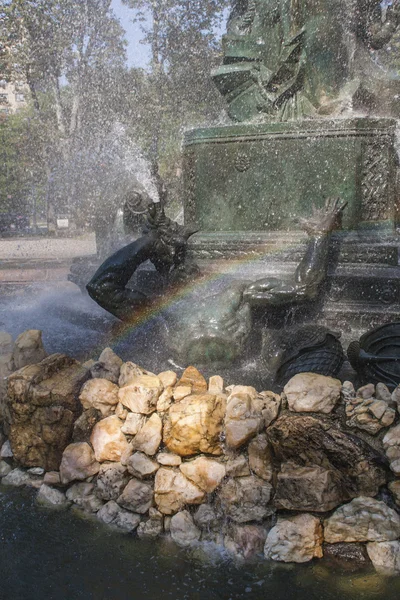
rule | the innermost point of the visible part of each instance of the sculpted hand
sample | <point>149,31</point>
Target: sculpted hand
<point>323,220</point>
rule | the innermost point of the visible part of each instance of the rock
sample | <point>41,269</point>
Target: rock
<point>193,378</point>
<point>370,415</point>
<point>121,412</point>
<point>128,373</point>
<point>183,529</point>
<point>242,422</point>
<point>194,425</point>
<point>150,529</point>
<point>396,397</point>
<point>352,553</point>
<point>181,392</point>
<point>382,393</point>
<point>238,467</point>
<point>84,424</point>
<point>141,466</point>
<point>247,540</point>
<point>366,391</point>
<point>6,343</point>
<point>310,392</point>
<point>363,520</point>
<point>28,349</point>
<point>245,499</point>
<point>126,454</point>
<point>168,378</point>
<point>173,491</point>
<point>394,487</point>
<point>316,441</point>
<point>114,515</point>
<point>107,439</point>
<point>107,367</point>
<point>206,473</point>
<point>101,394</point>
<point>16,478</point>
<point>307,488</point>
<point>260,459</point>
<point>51,498</point>
<point>111,481</point>
<point>5,468</point>
<point>133,423</point>
<point>43,405</point>
<point>391,444</point>
<point>78,463</point>
<point>385,557</point>
<point>79,490</point>
<point>168,460</point>
<point>6,451</point>
<point>137,496</point>
<point>149,437</point>
<point>165,400</point>
<point>348,391</point>
<point>269,405</point>
<point>141,395</point>
<point>6,368</point>
<point>216,385</point>
<point>206,517</point>
<point>52,478</point>
<point>36,471</point>
<point>295,539</point>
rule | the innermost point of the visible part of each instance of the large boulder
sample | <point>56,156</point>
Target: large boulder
<point>310,392</point>
<point>108,441</point>
<point>194,425</point>
<point>352,467</point>
<point>78,463</point>
<point>246,499</point>
<point>173,491</point>
<point>43,404</point>
<point>101,394</point>
<point>295,539</point>
<point>363,520</point>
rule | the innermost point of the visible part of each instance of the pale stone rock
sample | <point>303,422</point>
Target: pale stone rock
<point>310,488</point>
<point>370,415</point>
<point>28,349</point>
<point>51,498</point>
<point>114,515</point>
<point>295,539</point>
<point>101,394</point>
<point>173,491</point>
<point>167,524</point>
<point>242,421</point>
<point>137,496</point>
<point>366,391</point>
<point>36,471</point>
<point>206,517</point>
<point>150,529</point>
<point>107,439</point>
<point>121,412</point>
<point>141,466</point>
<point>193,378</point>
<point>141,395</point>
<point>246,541</point>
<point>111,481</point>
<point>385,557</point>
<point>168,460</point>
<point>245,499</point>
<point>181,392</point>
<point>382,393</point>
<point>79,490</point>
<point>149,437</point>
<point>6,451</point>
<point>128,373</point>
<point>52,478</point>
<point>126,454</point>
<point>216,385</point>
<point>6,343</point>
<point>5,468</point>
<point>108,366</point>
<point>168,378</point>
<point>260,459</point>
<point>269,404</point>
<point>396,397</point>
<point>206,473</point>
<point>165,400</point>
<point>183,529</point>
<point>78,462</point>
<point>394,487</point>
<point>133,423</point>
<point>194,425</point>
<point>363,520</point>
<point>237,467</point>
<point>348,391</point>
<point>310,392</point>
<point>391,444</point>
<point>17,478</point>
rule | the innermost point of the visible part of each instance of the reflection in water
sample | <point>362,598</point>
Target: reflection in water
<point>57,555</point>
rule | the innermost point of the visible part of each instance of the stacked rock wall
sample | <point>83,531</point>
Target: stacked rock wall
<point>290,476</point>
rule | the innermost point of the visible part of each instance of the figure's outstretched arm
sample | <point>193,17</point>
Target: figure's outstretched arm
<point>312,270</point>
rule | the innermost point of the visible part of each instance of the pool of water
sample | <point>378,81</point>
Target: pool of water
<point>46,555</point>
